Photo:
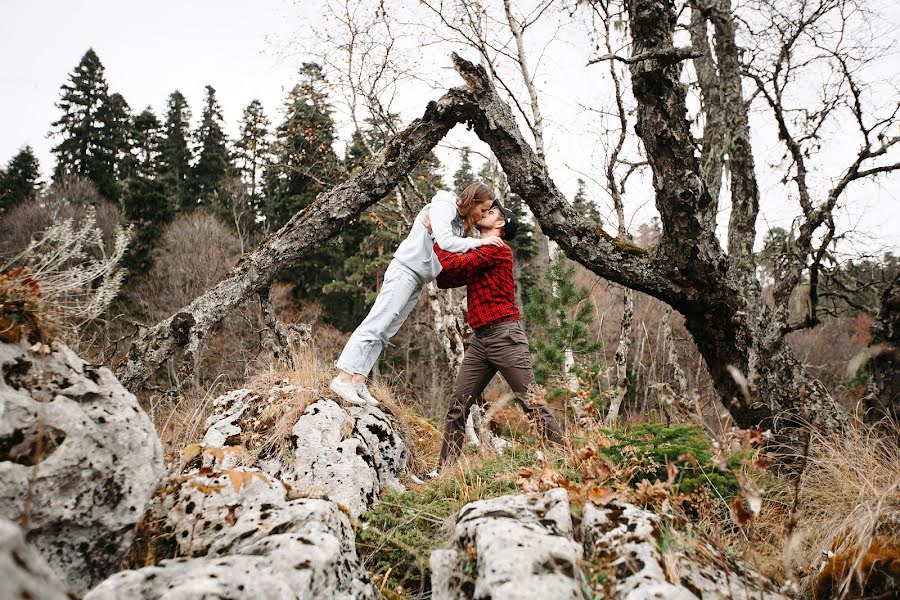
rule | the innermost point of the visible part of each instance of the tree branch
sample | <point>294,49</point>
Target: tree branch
<point>667,56</point>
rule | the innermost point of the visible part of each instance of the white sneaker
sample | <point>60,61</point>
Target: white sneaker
<point>421,479</point>
<point>346,391</point>
<point>363,392</point>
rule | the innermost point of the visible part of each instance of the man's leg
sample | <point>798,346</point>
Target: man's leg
<point>474,375</point>
<point>508,351</point>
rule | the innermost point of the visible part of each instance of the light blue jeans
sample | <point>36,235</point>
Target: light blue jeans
<point>398,296</point>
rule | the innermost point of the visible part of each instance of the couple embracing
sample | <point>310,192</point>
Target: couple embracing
<point>437,248</point>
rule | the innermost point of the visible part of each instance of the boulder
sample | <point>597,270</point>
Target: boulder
<point>79,459</point>
<point>23,571</point>
<point>625,536</point>
<point>244,538</point>
<point>346,455</point>
<point>517,546</point>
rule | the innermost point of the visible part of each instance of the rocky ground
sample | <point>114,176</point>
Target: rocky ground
<point>81,470</point>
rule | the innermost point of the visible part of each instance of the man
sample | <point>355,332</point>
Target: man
<point>499,342</point>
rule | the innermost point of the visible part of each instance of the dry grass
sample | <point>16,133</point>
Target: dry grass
<point>849,495</point>
<point>423,436</point>
<point>847,505</point>
<point>268,431</point>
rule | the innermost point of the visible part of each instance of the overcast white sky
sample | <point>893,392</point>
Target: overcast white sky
<point>247,50</point>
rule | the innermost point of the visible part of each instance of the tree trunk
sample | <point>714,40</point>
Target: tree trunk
<point>883,392</point>
<point>449,323</point>
<point>622,358</point>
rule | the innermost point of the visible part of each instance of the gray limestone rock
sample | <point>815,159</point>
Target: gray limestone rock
<point>23,571</point>
<point>246,539</point>
<point>79,459</point>
<point>625,537</point>
<point>346,455</point>
<point>516,546</point>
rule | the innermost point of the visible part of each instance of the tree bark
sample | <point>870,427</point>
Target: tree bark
<point>883,392</point>
<point>622,358</point>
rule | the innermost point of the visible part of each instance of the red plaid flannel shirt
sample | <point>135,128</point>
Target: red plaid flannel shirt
<point>488,273</point>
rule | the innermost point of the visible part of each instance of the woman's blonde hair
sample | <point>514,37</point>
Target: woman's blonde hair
<point>472,195</point>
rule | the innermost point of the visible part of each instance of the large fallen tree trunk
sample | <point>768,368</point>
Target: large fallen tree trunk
<point>757,376</point>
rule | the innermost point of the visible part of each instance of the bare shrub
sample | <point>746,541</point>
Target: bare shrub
<point>70,197</point>
<point>76,278</point>
<point>195,251</point>
<point>849,498</point>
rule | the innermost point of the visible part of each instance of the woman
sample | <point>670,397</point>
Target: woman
<point>414,264</point>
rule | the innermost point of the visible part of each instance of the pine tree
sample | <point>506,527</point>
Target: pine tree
<point>118,136</point>
<point>584,207</point>
<point>147,204</point>
<point>464,176</point>
<point>562,322</point>
<point>20,179</point>
<point>305,162</point>
<point>252,150</point>
<point>213,162</point>
<point>85,149</point>
<point>147,141</point>
<point>175,157</point>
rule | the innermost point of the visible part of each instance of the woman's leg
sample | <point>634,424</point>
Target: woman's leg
<point>398,296</point>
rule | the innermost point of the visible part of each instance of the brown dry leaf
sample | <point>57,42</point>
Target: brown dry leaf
<point>689,458</point>
<point>741,515</point>
<point>601,496</point>
<point>471,551</point>
<point>524,481</point>
<point>239,478</point>
<point>602,472</point>
<point>190,452</point>
<point>216,453</point>
<point>206,489</point>
<point>672,472</point>
<point>646,492</point>
<point>549,478</point>
<point>231,517</point>
<point>585,453</point>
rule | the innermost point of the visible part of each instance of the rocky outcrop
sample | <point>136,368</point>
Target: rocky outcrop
<point>517,546</point>
<point>624,537</point>
<point>346,455</point>
<point>79,459</point>
<point>23,571</point>
<point>248,531</point>
<point>248,540</point>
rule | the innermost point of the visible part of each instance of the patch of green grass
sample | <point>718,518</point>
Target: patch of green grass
<point>395,539</point>
<point>650,446</point>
